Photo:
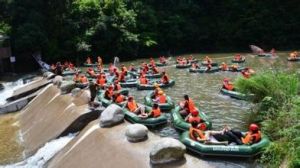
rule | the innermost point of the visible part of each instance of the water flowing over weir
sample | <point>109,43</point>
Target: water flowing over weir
<point>44,154</point>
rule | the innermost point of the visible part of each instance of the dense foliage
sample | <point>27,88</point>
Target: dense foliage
<point>279,114</point>
<point>135,28</point>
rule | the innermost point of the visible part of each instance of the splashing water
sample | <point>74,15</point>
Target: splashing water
<point>8,90</point>
<point>44,154</point>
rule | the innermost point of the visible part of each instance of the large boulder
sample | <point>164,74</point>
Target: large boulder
<point>58,80</point>
<point>111,116</point>
<point>75,92</point>
<point>48,75</point>
<point>167,150</point>
<point>136,132</point>
<point>82,97</point>
<point>67,86</point>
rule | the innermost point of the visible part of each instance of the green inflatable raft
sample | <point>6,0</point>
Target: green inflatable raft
<point>129,83</point>
<point>148,75</point>
<point>203,69</point>
<point>182,66</point>
<point>150,122</point>
<point>151,86</point>
<point>89,65</point>
<point>205,63</point>
<point>105,102</point>
<point>224,150</point>
<point>180,124</point>
<point>81,85</point>
<point>160,64</point>
<point>267,55</point>
<point>243,59</point>
<point>163,106</point>
<point>294,59</point>
<point>236,95</point>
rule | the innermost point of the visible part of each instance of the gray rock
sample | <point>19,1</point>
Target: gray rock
<point>67,86</point>
<point>167,150</point>
<point>111,116</point>
<point>75,92</point>
<point>136,132</point>
<point>48,75</point>
<point>58,80</point>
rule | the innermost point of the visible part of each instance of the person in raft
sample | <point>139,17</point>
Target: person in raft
<point>131,67</point>
<point>155,112</point>
<point>227,84</point>
<point>156,90</point>
<point>164,79</point>
<point>143,80</point>
<point>89,60</point>
<point>161,98</point>
<point>117,85</point>
<point>208,67</point>
<point>109,92</point>
<point>247,72</point>
<point>237,57</point>
<point>101,81</point>
<point>195,66</point>
<point>76,78</point>
<point>207,60</point>
<point>133,107</point>
<point>227,136</point>
<point>119,98</point>
<point>187,106</point>
<point>83,79</point>
<point>224,66</point>
<point>193,117</point>
<point>91,72</point>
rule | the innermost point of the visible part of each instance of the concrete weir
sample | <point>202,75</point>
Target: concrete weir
<point>29,88</point>
<point>50,115</point>
<point>98,147</point>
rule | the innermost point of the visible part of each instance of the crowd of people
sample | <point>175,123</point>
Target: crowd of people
<point>188,110</point>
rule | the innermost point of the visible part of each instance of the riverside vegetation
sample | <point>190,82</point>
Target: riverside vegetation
<point>278,112</point>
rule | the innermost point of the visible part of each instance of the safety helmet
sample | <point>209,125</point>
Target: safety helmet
<point>253,127</point>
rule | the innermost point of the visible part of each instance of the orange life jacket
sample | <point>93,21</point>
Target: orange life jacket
<point>246,74</point>
<point>162,99</point>
<point>190,105</point>
<point>117,87</point>
<point>194,133</point>
<point>132,106</point>
<point>228,86</point>
<point>101,81</point>
<point>224,67</point>
<point>165,79</point>
<point>155,70</point>
<point>143,80</point>
<point>193,119</point>
<point>156,112</point>
<point>119,99</point>
<point>251,138</point>
<point>109,93</point>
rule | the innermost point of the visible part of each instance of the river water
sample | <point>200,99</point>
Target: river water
<point>204,90</point>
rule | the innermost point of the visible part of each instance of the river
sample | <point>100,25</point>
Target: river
<point>204,90</point>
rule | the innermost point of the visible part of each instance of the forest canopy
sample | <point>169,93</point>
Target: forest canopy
<point>72,29</point>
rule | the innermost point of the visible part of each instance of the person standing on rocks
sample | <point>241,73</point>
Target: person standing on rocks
<point>93,90</point>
